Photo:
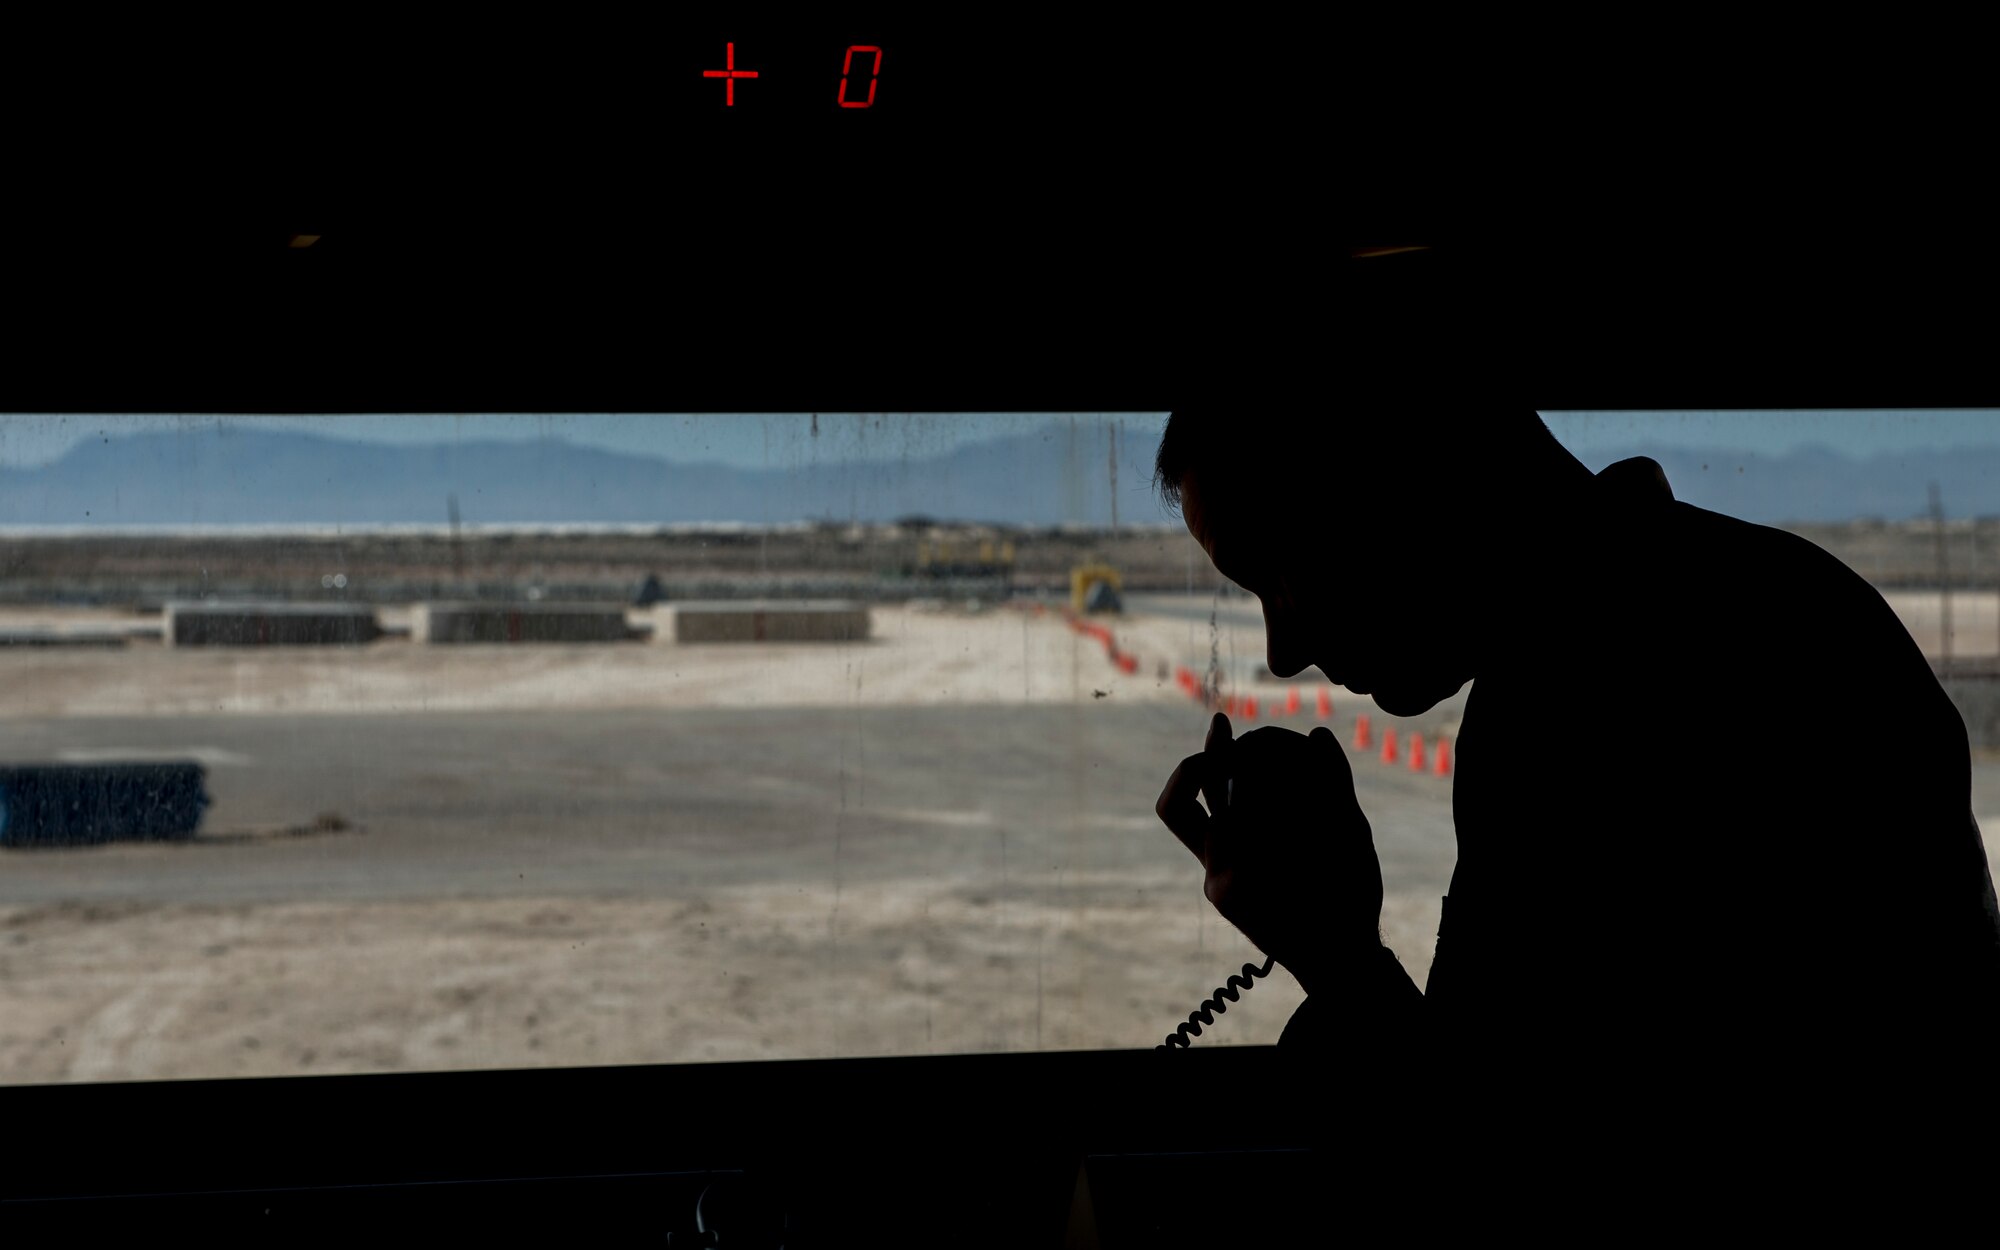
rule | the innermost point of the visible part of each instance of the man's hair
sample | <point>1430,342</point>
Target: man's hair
<point>1403,376</point>
<point>1389,445</point>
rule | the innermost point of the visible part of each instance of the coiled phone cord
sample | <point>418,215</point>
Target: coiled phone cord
<point>1231,991</point>
<point>1181,1037</point>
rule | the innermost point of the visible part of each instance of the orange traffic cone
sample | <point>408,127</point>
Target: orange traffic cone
<point>1249,709</point>
<point>1388,746</point>
<point>1292,701</point>
<point>1443,765</point>
<point>1362,741</point>
<point>1416,753</point>
<point>1324,708</point>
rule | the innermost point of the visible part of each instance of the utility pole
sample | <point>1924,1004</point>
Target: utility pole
<point>1113,430</point>
<point>457,555</point>
<point>1973,569</point>
<point>1944,578</point>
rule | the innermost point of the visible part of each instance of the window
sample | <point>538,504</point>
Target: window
<point>360,744</point>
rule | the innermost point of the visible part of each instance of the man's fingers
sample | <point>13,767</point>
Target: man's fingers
<point>1218,733</point>
<point>1178,808</point>
<point>1338,776</point>
<point>1323,737</point>
<point>1216,749</point>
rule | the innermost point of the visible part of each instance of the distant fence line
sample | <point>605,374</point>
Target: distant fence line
<point>152,597</point>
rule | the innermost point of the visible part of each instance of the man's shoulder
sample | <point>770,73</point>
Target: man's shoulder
<point>1642,527</point>
<point>1772,569</point>
<point>1767,543</point>
<point>1802,619</point>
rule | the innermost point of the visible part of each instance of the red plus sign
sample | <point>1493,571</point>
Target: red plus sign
<point>729,75</point>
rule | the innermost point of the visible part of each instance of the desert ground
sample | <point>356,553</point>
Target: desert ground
<point>438,857</point>
<point>937,840</point>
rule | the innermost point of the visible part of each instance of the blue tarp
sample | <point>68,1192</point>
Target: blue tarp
<point>87,804</point>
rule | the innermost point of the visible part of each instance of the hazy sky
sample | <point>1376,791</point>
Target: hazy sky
<point>1858,433</point>
<point>789,440</point>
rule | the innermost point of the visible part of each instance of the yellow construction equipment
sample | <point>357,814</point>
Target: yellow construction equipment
<point>1084,595</point>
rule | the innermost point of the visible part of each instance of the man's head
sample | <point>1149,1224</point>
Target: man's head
<point>1368,537</point>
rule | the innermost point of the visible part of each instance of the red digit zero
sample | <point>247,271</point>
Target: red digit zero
<point>874,72</point>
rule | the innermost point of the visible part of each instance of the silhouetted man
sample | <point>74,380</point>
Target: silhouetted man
<point>1713,808</point>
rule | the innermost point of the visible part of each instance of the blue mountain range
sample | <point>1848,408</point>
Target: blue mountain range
<point>215,474</point>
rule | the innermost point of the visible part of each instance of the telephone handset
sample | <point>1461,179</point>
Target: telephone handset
<point>1231,990</point>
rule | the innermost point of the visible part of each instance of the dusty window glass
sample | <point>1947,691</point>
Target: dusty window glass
<point>424,742</point>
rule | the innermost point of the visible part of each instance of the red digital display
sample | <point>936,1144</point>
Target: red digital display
<point>849,95</point>
<point>729,75</point>
<point>874,72</point>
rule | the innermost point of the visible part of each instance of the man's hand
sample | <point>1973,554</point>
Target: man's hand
<point>1289,857</point>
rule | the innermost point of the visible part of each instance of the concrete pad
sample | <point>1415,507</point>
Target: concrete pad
<point>771,621</point>
<point>519,622</point>
<point>909,658</point>
<point>268,624</point>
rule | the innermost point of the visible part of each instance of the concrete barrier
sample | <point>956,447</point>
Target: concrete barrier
<point>53,638</point>
<point>771,621</point>
<point>44,805</point>
<point>520,622</point>
<point>268,625</point>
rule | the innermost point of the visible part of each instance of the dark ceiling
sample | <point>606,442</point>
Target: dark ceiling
<point>564,221</point>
